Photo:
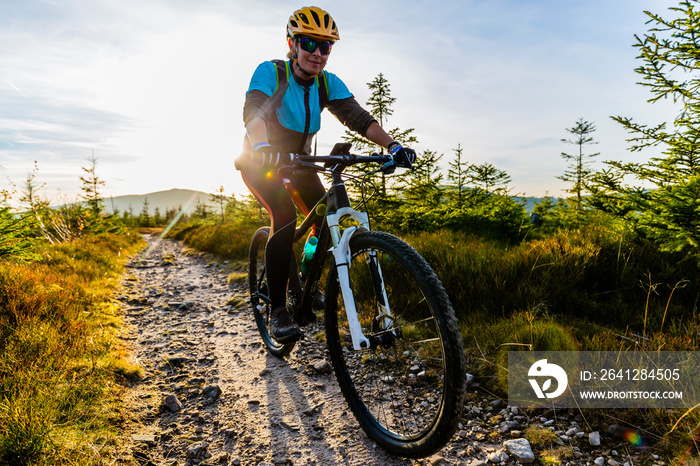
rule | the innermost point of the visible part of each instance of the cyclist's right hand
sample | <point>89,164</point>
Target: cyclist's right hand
<point>267,154</point>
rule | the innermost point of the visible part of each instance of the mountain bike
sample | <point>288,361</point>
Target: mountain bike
<point>393,337</point>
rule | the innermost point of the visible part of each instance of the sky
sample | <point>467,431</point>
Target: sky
<point>154,89</point>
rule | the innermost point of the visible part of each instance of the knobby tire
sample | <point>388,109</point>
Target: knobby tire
<point>407,392</point>
<point>257,284</point>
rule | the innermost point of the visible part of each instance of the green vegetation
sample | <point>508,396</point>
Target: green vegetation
<point>59,357</point>
<point>60,360</point>
<point>664,202</point>
<point>579,172</point>
<point>229,239</point>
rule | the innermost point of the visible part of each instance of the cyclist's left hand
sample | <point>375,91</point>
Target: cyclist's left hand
<point>267,154</point>
<point>403,156</point>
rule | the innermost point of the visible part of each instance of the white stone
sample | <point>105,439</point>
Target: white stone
<point>470,379</point>
<point>520,449</point>
<point>594,438</point>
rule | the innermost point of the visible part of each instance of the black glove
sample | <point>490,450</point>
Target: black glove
<point>403,156</point>
<point>271,155</point>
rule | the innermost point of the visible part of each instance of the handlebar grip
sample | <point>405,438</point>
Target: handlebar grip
<point>389,166</point>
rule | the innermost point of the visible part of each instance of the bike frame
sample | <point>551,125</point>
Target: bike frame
<point>334,207</point>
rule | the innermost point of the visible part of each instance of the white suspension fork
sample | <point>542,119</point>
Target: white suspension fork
<point>342,255</point>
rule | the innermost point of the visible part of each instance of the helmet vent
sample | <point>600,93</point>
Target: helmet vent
<point>303,17</point>
<point>326,19</point>
<point>316,18</point>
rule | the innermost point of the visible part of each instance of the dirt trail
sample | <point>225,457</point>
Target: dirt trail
<point>240,405</point>
<point>211,394</point>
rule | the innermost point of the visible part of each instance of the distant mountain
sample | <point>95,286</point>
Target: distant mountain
<point>188,199</point>
<point>163,200</point>
<point>530,202</point>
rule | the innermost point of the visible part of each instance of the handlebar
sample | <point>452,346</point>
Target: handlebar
<point>342,161</point>
<point>346,159</point>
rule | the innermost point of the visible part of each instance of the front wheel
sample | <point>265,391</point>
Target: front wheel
<point>259,296</point>
<point>407,389</point>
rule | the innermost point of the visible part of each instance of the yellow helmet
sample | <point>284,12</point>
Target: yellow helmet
<point>314,22</point>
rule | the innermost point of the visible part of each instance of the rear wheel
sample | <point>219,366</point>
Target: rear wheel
<point>407,390</point>
<point>259,296</point>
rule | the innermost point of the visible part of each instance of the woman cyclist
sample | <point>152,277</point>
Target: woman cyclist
<point>280,125</point>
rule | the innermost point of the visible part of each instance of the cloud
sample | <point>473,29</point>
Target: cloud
<point>156,87</point>
<point>30,125</point>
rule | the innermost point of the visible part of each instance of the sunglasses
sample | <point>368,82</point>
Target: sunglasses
<point>310,45</point>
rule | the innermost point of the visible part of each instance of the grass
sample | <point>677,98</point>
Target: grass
<point>580,273</point>
<point>556,456</point>
<point>59,356</point>
<point>228,241</point>
<point>540,436</point>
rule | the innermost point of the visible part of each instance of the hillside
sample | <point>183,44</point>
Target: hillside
<point>163,200</point>
<point>188,199</point>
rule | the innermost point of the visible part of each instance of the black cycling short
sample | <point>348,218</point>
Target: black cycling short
<point>280,198</point>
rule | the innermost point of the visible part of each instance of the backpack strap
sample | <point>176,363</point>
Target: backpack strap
<point>282,82</point>
<point>323,93</point>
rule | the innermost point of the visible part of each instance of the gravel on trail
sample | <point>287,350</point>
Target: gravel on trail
<point>211,394</point>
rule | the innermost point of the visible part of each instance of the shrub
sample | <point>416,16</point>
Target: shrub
<point>58,351</point>
<point>229,241</point>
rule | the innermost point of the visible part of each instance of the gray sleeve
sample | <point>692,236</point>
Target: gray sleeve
<point>255,104</point>
<point>351,114</point>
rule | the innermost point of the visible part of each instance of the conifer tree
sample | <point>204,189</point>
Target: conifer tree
<point>458,175</point>
<point>379,104</point>
<point>201,210</point>
<point>91,187</point>
<point>30,197</point>
<point>424,186</point>
<point>145,219</point>
<point>16,241</point>
<point>219,199</point>
<point>666,202</point>
<point>488,177</point>
<point>578,172</point>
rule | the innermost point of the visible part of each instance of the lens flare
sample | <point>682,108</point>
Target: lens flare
<point>633,438</point>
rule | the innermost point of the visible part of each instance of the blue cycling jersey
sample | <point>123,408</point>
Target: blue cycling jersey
<point>298,99</point>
